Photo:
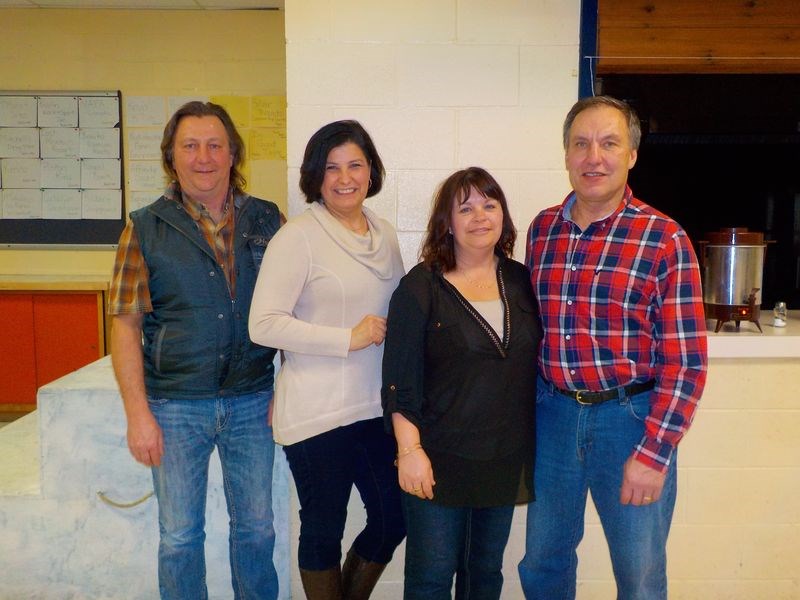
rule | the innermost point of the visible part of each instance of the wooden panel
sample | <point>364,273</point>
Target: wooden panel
<point>701,50</point>
<point>698,13</point>
<point>697,36</point>
<point>18,372</point>
<point>66,333</point>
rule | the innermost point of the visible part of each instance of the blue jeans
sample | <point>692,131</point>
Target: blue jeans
<point>444,541</point>
<point>580,448</point>
<point>237,426</point>
<point>325,468</point>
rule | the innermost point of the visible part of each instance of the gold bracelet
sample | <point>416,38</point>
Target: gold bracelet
<point>406,451</point>
<point>409,450</point>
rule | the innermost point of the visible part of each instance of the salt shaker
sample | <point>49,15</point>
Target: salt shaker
<point>779,314</point>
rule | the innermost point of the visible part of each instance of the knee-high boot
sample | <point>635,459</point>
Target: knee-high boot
<point>359,576</point>
<point>322,585</point>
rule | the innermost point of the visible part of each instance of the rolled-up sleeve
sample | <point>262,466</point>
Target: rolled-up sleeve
<point>404,357</point>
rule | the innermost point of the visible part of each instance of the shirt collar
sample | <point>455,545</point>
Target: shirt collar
<point>194,208</point>
<point>569,202</point>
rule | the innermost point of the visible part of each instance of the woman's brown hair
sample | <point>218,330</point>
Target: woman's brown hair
<point>438,248</point>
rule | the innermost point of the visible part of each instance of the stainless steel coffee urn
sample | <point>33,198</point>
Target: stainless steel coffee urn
<point>733,266</point>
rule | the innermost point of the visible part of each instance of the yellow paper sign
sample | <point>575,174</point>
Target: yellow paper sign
<point>269,111</point>
<point>267,143</point>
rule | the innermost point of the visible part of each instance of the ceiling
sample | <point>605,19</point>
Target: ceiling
<point>147,4</point>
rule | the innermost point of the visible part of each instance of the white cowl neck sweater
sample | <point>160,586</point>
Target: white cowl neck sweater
<point>317,281</point>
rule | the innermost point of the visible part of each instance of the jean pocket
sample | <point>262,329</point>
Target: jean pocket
<point>639,406</point>
<point>541,391</point>
<point>154,401</point>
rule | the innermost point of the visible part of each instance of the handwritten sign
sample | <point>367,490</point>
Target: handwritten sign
<point>22,204</point>
<point>18,111</point>
<point>19,142</point>
<point>61,204</point>
<point>99,142</point>
<point>98,111</point>
<point>61,173</point>
<point>57,111</point>
<point>21,173</point>
<point>60,142</point>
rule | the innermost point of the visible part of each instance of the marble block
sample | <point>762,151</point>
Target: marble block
<point>60,540</point>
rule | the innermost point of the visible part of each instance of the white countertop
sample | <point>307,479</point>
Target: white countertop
<point>774,342</point>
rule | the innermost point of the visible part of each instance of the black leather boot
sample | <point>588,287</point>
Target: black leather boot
<point>322,585</point>
<point>359,576</point>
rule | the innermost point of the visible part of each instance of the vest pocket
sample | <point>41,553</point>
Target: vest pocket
<point>158,347</point>
<point>257,245</point>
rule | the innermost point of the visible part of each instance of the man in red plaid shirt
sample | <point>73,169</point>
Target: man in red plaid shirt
<point>622,363</point>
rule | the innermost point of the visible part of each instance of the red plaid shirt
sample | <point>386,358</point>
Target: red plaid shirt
<point>621,302</point>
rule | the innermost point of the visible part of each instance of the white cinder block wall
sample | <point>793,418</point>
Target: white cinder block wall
<point>440,85</point>
<point>444,84</point>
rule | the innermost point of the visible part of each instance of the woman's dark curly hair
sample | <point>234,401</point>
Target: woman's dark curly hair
<point>328,137</point>
<point>438,248</point>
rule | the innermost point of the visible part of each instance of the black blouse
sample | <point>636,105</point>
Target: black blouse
<point>470,392</point>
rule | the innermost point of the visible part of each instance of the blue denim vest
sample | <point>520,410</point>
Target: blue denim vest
<point>196,343</point>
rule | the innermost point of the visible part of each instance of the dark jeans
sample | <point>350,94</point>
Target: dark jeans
<point>324,468</point>
<point>444,541</point>
<point>582,449</point>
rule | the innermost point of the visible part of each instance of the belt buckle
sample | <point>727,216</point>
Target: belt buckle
<point>578,397</point>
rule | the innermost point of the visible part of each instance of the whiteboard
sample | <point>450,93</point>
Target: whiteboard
<point>61,168</point>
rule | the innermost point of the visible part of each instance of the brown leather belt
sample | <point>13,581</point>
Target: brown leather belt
<point>587,397</point>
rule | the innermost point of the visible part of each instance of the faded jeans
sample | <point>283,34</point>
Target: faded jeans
<point>237,427</point>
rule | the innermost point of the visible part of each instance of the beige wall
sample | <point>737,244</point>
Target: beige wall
<point>142,53</point>
<point>442,85</point>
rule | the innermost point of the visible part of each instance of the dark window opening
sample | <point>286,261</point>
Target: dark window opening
<point>723,151</point>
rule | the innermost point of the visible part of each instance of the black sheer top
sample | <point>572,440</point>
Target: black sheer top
<point>470,391</point>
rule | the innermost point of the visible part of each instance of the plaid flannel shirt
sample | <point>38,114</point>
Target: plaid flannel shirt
<point>621,302</point>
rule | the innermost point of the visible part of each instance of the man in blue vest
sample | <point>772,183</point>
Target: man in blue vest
<point>190,378</point>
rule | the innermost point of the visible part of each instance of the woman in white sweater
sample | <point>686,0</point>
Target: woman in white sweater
<point>322,296</point>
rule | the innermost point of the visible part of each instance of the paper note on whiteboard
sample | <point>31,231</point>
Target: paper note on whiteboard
<point>61,173</point>
<point>61,204</point>
<point>22,172</point>
<point>99,142</point>
<point>58,111</point>
<point>60,142</point>
<point>19,142</point>
<point>98,111</point>
<point>18,111</point>
<point>100,173</point>
<point>22,204</point>
<point>102,204</point>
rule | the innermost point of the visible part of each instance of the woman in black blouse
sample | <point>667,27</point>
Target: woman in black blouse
<point>459,387</point>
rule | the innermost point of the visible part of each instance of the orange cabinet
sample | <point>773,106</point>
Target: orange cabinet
<point>46,331</point>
